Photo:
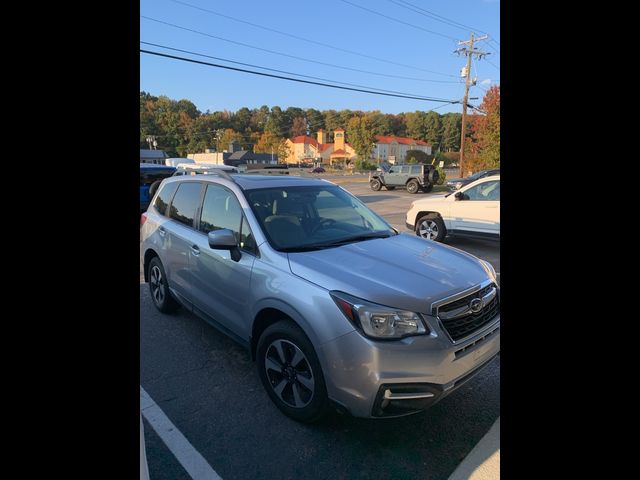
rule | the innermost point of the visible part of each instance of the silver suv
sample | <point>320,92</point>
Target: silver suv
<point>335,306</point>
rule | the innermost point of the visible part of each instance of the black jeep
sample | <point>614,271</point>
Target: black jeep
<point>414,177</point>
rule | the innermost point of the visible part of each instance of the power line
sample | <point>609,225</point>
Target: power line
<point>315,62</point>
<point>269,29</point>
<point>435,16</point>
<point>399,21</point>
<point>273,69</point>
<point>492,64</point>
<point>296,79</point>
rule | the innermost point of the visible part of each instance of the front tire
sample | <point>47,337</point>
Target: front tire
<point>159,288</point>
<point>290,372</point>
<point>375,185</point>
<point>413,186</point>
<point>431,227</point>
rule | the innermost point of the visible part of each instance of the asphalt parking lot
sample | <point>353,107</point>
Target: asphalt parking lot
<point>207,386</point>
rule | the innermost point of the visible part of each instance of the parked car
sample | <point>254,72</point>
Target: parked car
<point>317,170</point>
<point>474,210</point>
<point>458,183</point>
<point>413,177</point>
<point>200,169</point>
<point>335,306</point>
<point>151,174</point>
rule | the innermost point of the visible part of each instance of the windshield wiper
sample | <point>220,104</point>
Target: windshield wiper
<point>337,243</point>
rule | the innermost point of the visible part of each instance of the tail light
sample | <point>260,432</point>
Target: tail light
<point>143,218</point>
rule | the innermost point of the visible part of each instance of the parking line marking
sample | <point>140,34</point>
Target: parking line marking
<point>194,463</point>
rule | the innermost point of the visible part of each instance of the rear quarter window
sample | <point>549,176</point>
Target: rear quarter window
<point>164,197</point>
<point>185,202</point>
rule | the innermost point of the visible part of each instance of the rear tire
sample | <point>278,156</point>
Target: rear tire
<point>159,288</point>
<point>291,373</point>
<point>413,186</point>
<point>431,227</point>
<point>375,185</point>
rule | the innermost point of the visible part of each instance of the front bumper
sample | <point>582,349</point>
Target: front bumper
<point>395,378</point>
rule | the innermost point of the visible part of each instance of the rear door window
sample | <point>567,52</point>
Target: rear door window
<point>185,203</point>
<point>416,169</point>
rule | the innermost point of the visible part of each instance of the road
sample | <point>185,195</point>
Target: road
<point>208,387</point>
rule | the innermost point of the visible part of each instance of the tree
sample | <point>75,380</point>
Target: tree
<point>380,124</point>
<point>227,136</point>
<point>270,143</point>
<point>418,156</point>
<point>361,136</point>
<point>299,127</point>
<point>485,133</point>
<point>417,125</point>
<point>451,131</point>
<point>433,126</point>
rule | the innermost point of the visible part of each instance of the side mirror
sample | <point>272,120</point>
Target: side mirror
<point>224,240</point>
<point>459,196</point>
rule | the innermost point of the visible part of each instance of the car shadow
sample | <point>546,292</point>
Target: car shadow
<point>374,198</point>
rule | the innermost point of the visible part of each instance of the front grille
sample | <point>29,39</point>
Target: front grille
<point>463,326</point>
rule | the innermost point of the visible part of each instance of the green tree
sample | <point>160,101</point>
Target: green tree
<point>360,135</point>
<point>270,143</point>
<point>433,129</point>
<point>298,127</point>
<point>227,136</point>
<point>418,156</point>
<point>417,125</point>
<point>451,131</point>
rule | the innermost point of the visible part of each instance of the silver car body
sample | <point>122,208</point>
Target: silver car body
<point>402,271</point>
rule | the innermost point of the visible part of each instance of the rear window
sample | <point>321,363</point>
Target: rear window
<point>164,196</point>
<point>150,176</point>
<point>185,202</point>
<point>416,169</point>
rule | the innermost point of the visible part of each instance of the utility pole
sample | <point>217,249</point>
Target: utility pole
<point>469,52</point>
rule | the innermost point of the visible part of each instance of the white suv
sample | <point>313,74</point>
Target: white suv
<point>474,210</point>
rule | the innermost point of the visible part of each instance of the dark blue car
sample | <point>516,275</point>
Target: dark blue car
<point>149,174</point>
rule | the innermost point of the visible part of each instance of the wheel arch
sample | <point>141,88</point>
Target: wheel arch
<point>272,311</point>
<point>148,256</point>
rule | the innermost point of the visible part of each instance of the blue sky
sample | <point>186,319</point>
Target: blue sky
<point>332,22</point>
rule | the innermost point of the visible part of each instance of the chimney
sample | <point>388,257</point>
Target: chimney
<point>322,137</point>
<point>234,146</point>
<point>338,138</point>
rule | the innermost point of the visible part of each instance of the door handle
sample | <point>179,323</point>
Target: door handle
<point>195,249</point>
<point>162,231</point>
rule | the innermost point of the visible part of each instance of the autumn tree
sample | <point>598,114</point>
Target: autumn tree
<point>485,133</point>
<point>433,133</point>
<point>361,136</point>
<point>227,136</point>
<point>270,143</point>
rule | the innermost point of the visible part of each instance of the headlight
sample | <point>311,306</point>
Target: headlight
<point>378,321</point>
<point>458,185</point>
<point>491,270</point>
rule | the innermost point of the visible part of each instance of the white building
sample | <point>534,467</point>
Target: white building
<point>393,149</point>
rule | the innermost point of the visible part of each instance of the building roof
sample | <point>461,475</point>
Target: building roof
<point>339,152</point>
<point>305,139</point>
<point>401,140</point>
<point>339,129</point>
<point>152,153</point>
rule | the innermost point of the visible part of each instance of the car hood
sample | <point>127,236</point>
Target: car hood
<point>455,180</point>
<point>403,271</point>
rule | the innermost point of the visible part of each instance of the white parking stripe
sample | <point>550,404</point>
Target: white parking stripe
<point>195,465</point>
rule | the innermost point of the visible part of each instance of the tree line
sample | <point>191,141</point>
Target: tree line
<point>180,128</point>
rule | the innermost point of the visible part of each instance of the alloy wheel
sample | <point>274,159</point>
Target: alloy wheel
<point>289,373</point>
<point>157,286</point>
<point>428,229</point>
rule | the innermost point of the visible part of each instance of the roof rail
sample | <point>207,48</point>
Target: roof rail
<point>222,173</point>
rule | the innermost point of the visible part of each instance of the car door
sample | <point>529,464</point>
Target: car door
<point>221,287</point>
<point>478,209</point>
<point>179,234</point>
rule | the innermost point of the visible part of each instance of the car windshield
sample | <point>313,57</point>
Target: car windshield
<point>296,219</point>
